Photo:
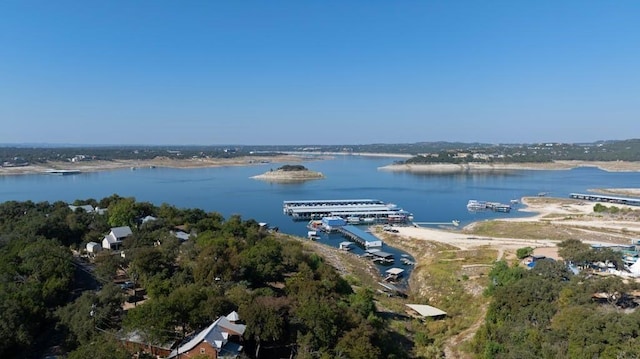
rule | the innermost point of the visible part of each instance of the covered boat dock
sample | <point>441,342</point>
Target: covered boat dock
<point>359,236</point>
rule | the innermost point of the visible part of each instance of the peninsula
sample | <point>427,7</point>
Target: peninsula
<point>290,173</point>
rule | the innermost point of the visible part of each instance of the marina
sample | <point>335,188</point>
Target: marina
<point>354,211</point>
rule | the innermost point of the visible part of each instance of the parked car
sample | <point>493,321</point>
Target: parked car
<point>126,285</point>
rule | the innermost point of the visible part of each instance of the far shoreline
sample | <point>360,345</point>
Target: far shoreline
<point>452,168</point>
<point>158,162</point>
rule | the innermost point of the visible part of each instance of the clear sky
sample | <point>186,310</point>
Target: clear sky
<point>318,72</point>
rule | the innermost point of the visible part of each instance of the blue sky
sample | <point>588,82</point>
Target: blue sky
<point>318,72</point>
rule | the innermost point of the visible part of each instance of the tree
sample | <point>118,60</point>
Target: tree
<point>524,252</point>
<point>122,212</point>
<point>265,319</point>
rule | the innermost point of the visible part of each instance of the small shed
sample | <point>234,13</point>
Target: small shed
<point>93,247</point>
<point>425,311</point>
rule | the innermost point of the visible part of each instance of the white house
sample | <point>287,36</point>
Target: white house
<point>114,239</point>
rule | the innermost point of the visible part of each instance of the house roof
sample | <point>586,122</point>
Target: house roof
<point>216,334</point>
<point>121,232</point>
<point>426,310</point>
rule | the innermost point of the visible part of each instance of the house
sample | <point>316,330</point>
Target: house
<point>219,340</point>
<point>114,239</point>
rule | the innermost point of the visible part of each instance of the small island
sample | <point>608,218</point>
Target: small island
<point>290,173</point>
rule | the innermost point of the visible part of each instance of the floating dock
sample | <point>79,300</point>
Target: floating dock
<point>365,239</point>
<point>474,205</point>
<point>63,172</point>
<point>606,199</point>
<point>355,211</point>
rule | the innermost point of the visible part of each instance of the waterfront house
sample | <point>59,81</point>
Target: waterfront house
<point>114,239</point>
<point>221,339</point>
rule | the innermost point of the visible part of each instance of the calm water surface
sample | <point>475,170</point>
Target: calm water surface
<point>229,190</point>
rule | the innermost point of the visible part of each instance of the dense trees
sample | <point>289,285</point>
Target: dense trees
<point>291,301</point>
<point>547,312</point>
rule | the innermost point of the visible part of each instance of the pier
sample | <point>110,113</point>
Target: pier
<point>355,234</point>
<point>606,199</point>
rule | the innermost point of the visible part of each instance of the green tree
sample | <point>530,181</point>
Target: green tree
<point>122,212</point>
<point>524,252</point>
<point>265,320</point>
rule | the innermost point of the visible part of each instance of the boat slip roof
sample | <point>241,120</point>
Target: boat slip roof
<point>426,310</point>
<point>394,271</point>
<point>331,201</point>
<point>365,236</point>
<point>343,208</point>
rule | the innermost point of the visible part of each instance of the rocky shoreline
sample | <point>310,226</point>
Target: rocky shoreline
<point>289,176</point>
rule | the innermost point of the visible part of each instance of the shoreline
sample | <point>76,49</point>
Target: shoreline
<point>158,162</point>
<point>451,168</point>
<point>551,211</point>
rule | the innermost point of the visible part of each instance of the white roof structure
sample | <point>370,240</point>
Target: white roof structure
<point>394,271</point>
<point>426,310</point>
<point>216,335</point>
<point>93,247</point>
<point>148,218</point>
<point>181,235</point>
<point>87,208</point>
<point>233,316</point>
<point>635,268</point>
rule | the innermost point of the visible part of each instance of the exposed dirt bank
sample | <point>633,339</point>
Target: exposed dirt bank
<point>94,166</point>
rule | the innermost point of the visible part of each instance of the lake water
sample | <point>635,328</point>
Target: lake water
<point>230,190</point>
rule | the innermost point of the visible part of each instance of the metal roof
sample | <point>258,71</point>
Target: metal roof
<point>394,271</point>
<point>426,310</point>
